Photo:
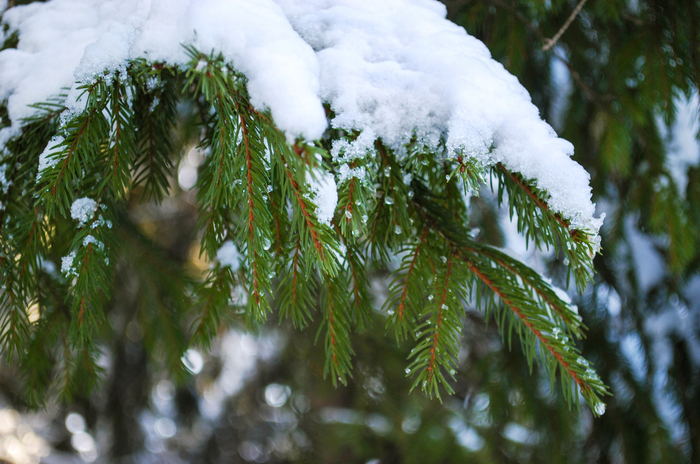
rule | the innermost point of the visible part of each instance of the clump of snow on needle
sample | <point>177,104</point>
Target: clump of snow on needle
<point>83,210</point>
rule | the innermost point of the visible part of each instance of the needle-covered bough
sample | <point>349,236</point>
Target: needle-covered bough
<point>336,137</point>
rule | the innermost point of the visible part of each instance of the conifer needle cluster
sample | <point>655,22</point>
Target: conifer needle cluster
<point>65,229</point>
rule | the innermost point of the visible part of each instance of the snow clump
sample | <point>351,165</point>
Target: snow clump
<point>325,194</point>
<point>82,210</point>
<point>67,264</point>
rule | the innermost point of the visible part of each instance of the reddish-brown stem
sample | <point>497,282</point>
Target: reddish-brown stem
<point>438,323</point>
<point>538,201</point>
<point>529,325</point>
<point>302,205</point>
<point>404,293</point>
<point>251,208</point>
<point>350,191</point>
<point>515,271</point>
<point>331,328</point>
<point>295,272</point>
<point>69,155</point>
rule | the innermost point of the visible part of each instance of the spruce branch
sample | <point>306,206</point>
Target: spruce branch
<point>401,295</point>
<point>337,331</point>
<point>543,227</point>
<point>297,289</point>
<point>537,330</point>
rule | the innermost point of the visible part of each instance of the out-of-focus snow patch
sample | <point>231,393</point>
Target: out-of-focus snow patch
<point>648,262</point>
<point>563,86</point>
<point>684,148</point>
<point>239,354</point>
<point>228,255</point>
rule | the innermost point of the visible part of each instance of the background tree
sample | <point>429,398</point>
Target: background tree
<point>286,411</point>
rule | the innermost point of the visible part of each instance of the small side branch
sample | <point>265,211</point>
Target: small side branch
<point>549,43</point>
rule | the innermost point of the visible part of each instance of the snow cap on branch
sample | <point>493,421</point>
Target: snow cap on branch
<point>394,69</point>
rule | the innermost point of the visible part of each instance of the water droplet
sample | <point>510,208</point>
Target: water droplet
<point>600,408</point>
<point>453,372</point>
<point>365,218</point>
<point>425,383</point>
<point>408,371</point>
<point>391,312</point>
<point>348,214</point>
<point>269,188</point>
<point>566,261</point>
<point>443,258</point>
<point>474,232</point>
<point>265,197</point>
<point>430,298</point>
<point>267,244</point>
<point>272,274</point>
<point>410,194</point>
<point>447,177</point>
<point>387,171</point>
<point>445,307</point>
<point>397,230</point>
<point>388,200</point>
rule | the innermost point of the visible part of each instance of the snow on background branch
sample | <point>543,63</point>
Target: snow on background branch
<point>393,69</point>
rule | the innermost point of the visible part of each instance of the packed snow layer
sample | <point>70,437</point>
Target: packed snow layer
<point>62,41</point>
<point>392,69</point>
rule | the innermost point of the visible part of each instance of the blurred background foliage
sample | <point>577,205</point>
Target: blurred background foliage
<point>621,84</point>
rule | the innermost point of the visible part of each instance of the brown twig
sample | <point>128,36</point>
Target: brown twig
<point>549,43</point>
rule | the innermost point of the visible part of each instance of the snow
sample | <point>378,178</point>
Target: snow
<point>82,210</point>
<point>91,239</point>
<point>4,181</point>
<point>648,261</point>
<point>228,255</point>
<point>65,40</point>
<point>325,194</point>
<point>67,263</point>
<point>391,69</point>
<point>46,161</point>
<point>684,149</point>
